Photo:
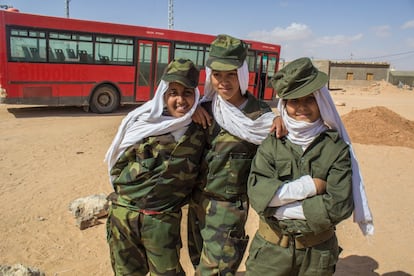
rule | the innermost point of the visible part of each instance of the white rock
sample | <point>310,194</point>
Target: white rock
<point>88,210</point>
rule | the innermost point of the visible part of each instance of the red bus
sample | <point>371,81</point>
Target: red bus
<point>60,61</point>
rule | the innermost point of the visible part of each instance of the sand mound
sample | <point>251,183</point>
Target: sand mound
<point>379,126</point>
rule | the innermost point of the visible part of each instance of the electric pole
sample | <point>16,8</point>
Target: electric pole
<point>170,14</point>
<point>67,8</point>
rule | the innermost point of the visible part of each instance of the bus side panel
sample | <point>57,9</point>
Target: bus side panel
<point>268,94</point>
<point>64,84</point>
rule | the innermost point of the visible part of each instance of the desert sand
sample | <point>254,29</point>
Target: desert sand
<point>51,156</point>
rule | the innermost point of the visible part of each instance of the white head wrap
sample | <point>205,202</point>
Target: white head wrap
<point>300,132</point>
<point>231,118</point>
<point>330,116</point>
<point>147,120</point>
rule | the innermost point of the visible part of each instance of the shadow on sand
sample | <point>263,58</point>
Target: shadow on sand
<point>362,265</point>
<point>356,266</point>
<point>62,111</point>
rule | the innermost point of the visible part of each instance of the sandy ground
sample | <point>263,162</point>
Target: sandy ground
<point>51,156</point>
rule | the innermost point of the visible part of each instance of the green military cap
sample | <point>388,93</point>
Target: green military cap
<point>298,79</point>
<point>227,53</point>
<point>182,71</point>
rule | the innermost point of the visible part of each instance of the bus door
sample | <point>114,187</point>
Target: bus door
<point>266,64</point>
<point>153,57</point>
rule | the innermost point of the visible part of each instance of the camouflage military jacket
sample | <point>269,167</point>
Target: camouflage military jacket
<point>159,173</point>
<point>228,158</point>
<point>279,161</point>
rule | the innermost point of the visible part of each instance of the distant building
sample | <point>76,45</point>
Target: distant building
<point>402,78</point>
<point>352,73</point>
<point>344,74</point>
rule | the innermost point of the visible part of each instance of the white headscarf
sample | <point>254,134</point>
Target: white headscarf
<point>147,120</point>
<point>330,116</point>
<point>300,132</point>
<point>231,118</point>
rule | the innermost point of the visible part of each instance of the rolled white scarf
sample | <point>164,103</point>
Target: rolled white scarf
<point>144,121</point>
<point>231,118</point>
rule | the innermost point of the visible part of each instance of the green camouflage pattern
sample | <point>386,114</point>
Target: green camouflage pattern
<point>226,53</point>
<point>216,238</point>
<point>218,209</point>
<point>140,243</point>
<point>158,173</point>
<point>182,71</point>
<point>227,162</point>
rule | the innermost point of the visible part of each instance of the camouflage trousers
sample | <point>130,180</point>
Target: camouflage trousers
<point>216,235</point>
<point>266,258</point>
<point>141,243</point>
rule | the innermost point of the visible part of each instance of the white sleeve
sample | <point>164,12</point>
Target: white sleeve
<point>298,189</point>
<point>290,211</point>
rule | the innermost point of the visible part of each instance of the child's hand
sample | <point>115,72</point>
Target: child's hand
<point>278,127</point>
<point>320,185</point>
<point>202,117</point>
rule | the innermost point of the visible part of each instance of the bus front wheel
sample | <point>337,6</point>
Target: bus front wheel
<point>105,99</point>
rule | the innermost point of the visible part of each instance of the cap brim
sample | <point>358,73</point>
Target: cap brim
<point>317,83</point>
<point>223,64</point>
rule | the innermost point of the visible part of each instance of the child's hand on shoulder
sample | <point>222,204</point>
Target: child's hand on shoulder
<point>202,117</point>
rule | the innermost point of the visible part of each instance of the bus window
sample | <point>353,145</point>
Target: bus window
<point>163,55</point>
<point>250,59</point>
<point>193,52</point>
<point>113,50</point>
<point>75,47</point>
<point>123,51</point>
<point>145,56</point>
<point>207,55</point>
<point>27,45</point>
<point>267,64</point>
<point>271,68</point>
<point>103,49</point>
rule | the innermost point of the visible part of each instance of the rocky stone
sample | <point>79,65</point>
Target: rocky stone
<point>88,210</point>
<point>19,270</point>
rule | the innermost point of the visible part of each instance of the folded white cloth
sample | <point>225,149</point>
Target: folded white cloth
<point>231,118</point>
<point>295,190</point>
<point>147,120</point>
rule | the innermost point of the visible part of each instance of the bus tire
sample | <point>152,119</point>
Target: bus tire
<point>105,99</point>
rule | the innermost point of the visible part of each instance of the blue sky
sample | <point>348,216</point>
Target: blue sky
<point>361,30</point>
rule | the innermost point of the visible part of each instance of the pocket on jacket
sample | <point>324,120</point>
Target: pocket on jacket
<point>284,169</point>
